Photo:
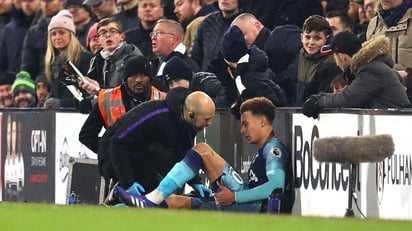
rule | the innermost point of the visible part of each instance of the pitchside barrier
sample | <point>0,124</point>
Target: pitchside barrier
<point>37,146</point>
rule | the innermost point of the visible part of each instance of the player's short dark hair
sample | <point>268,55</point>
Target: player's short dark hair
<point>259,106</point>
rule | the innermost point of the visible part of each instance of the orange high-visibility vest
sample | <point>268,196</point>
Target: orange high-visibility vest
<point>111,103</point>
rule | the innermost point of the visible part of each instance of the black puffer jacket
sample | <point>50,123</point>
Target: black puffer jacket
<point>257,79</point>
<point>150,139</point>
<point>211,85</point>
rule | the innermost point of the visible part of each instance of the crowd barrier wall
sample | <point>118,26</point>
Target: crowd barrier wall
<point>36,146</point>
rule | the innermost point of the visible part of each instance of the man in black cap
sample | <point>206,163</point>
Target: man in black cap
<point>82,17</point>
<point>6,81</point>
<point>114,103</point>
<point>178,74</point>
<point>376,84</point>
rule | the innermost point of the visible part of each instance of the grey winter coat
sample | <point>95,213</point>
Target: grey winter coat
<point>376,84</point>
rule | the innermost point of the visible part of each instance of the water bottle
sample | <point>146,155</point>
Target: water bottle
<point>72,198</point>
<point>274,201</point>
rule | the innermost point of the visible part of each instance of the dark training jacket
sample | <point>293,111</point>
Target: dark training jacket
<point>150,139</point>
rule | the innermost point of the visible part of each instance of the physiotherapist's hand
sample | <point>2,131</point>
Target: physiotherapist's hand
<point>136,189</point>
<point>201,189</point>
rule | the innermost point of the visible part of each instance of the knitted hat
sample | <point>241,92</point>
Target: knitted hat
<point>177,68</point>
<point>7,78</point>
<point>137,65</point>
<point>63,19</point>
<point>23,83</point>
<point>346,43</point>
<point>233,44</point>
<point>78,3</point>
<point>92,32</point>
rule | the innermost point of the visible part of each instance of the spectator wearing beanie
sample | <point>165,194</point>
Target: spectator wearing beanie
<point>253,77</point>
<point>6,81</point>
<point>114,103</point>
<point>178,74</point>
<point>63,46</point>
<point>82,18</point>
<point>376,84</point>
<point>92,41</point>
<point>23,90</point>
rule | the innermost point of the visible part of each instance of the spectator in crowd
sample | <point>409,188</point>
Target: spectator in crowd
<point>149,12</point>
<point>282,46</point>
<point>376,84</point>
<point>35,41</point>
<point>190,13</point>
<point>83,18</point>
<point>179,74</point>
<point>271,169</point>
<point>167,37</point>
<point>6,7</point>
<point>103,8</point>
<point>392,20</point>
<point>141,155</point>
<point>11,44</point>
<point>353,10</point>
<point>316,68</point>
<point>370,9</point>
<point>92,41</point>
<point>168,9</point>
<point>253,77</point>
<point>42,89</point>
<point>282,12</point>
<point>339,21</point>
<point>127,17</point>
<point>6,81</point>
<point>206,46</point>
<point>114,103</point>
<point>336,5</point>
<point>338,83</point>
<point>23,91</point>
<point>107,66</point>
<point>63,46</point>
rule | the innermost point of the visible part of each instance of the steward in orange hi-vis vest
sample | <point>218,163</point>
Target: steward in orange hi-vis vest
<point>111,103</point>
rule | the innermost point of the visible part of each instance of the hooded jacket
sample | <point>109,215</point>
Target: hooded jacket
<point>150,139</point>
<point>376,84</point>
<point>400,35</point>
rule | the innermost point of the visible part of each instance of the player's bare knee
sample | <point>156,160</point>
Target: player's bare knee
<point>203,149</point>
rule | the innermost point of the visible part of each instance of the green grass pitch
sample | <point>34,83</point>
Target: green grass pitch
<point>49,217</point>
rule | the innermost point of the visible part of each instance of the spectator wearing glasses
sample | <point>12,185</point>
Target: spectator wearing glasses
<point>107,66</point>
<point>167,42</point>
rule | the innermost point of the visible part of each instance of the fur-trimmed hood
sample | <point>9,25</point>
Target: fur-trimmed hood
<point>372,49</point>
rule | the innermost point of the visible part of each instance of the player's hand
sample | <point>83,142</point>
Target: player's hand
<point>201,189</point>
<point>136,189</point>
<point>224,196</point>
